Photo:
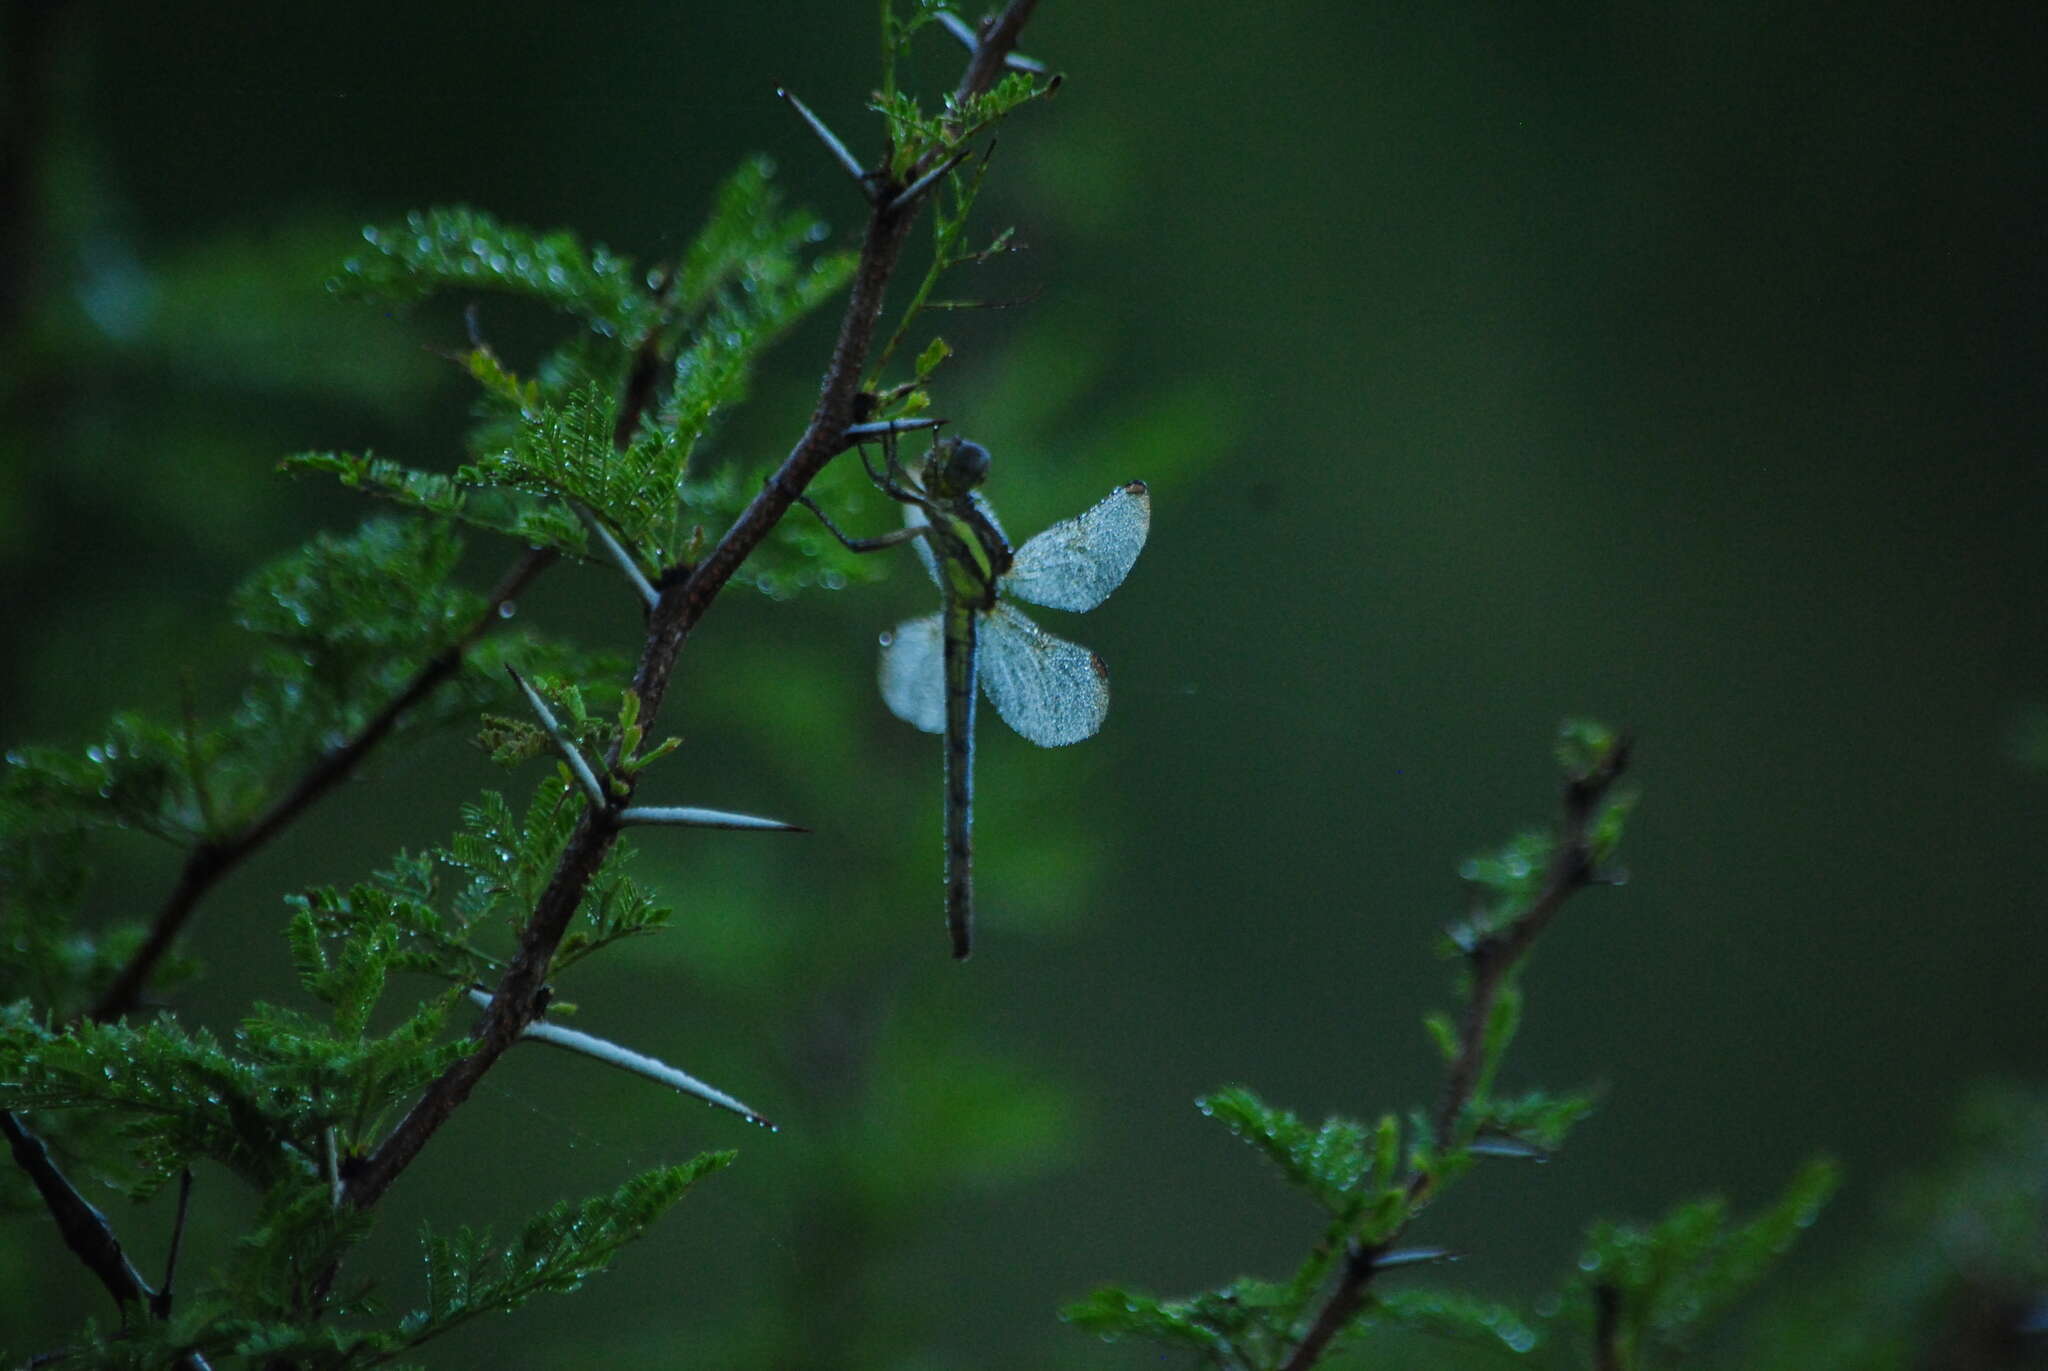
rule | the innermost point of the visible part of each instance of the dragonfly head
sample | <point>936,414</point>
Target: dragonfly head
<point>955,467</point>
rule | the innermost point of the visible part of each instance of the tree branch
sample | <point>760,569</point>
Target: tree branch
<point>214,858</point>
<point>85,1230</point>
<point>1492,961</point>
<point>682,605</point>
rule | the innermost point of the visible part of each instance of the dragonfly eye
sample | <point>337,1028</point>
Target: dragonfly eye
<point>960,465</point>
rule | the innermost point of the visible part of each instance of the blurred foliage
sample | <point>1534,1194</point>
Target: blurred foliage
<point>1640,1296</point>
<point>1952,1269</point>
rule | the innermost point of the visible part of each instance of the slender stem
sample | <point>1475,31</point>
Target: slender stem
<point>514,1003</point>
<point>160,1303</point>
<point>85,1230</point>
<point>1607,1328</point>
<point>1491,961</point>
<point>88,1234</point>
<point>216,857</point>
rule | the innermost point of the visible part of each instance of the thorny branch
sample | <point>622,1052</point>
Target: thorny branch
<point>1491,961</point>
<point>682,604</point>
<point>678,610</point>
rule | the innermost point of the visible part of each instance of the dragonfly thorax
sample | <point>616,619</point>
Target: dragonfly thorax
<point>970,552</point>
<point>954,467</point>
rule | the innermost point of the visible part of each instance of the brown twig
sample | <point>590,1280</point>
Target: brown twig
<point>160,1303</point>
<point>995,42</point>
<point>1491,959</point>
<point>85,1230</point>
<point>682,605</point>
<point>213,859</point>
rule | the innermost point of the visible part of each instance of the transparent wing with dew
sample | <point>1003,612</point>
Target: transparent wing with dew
<point>1050,690</point>
<point>1075,564</point>
<point>913,671</point>
<point>915,517</point>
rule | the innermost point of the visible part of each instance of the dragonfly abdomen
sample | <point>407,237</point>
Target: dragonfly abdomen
<point>960,694</point>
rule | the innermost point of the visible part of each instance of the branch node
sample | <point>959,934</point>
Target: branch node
<point>912,192</point>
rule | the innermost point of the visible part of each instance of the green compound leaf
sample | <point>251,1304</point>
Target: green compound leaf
<point>469,1275</point>
<point>515,514</point>
<point>1668,1283</point>
<point>470,250</point>
<point>1343,1164</point>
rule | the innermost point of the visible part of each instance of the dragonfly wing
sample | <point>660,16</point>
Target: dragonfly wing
<point>1075,564</point>
<point>914,672</point>
<point>1050,690</point>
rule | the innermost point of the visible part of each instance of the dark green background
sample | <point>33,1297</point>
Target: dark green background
<point>1490,363</point>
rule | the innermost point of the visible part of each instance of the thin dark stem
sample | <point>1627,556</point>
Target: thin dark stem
<point>213,859</point>
<point>160,1303</point>
<point>1606,1328</point>
<point>682,605</point>
<point>88,1234</point>
<point>1490,962</point>
<point>85,1230</point>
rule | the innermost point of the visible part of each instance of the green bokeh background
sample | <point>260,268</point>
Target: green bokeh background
<point>1490,363</point>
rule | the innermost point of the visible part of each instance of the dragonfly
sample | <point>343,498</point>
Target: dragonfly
<point>1051,691</point>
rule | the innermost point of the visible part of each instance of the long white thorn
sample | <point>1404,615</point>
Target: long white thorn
<point>684,817</point>
<point>624,1058</point>
<point>617,552</point>
<point>831,141</point>
<point>581,768</point>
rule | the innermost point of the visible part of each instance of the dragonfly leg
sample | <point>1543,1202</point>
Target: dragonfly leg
<point>894,538</point>
<point>893,481</point>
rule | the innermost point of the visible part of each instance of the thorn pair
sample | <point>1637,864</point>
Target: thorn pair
<point>961,29</point>
<point>871,183</point>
